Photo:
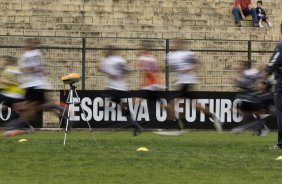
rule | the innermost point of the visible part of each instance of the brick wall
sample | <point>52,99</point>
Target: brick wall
<point>163,19</point>
<point>131,18</point>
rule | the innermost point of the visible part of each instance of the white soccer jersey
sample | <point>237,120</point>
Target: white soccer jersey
<point>115,67</point>
<point>251,72</point>
<point>149,63</point>
<point>180,61</point>
<point>32,59</point>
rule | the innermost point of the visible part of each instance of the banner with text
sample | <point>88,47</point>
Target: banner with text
<point>7,115</point>
<point>101,112</point>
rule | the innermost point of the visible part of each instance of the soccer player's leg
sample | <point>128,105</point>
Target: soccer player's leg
<point>182,93</point>
<point>117,96</point>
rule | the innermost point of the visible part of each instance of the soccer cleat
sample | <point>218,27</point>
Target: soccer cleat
<point>13,133</point>
<point>265,131</point>
<point>237,130</point>
<point>30,129</point>
<point>180,124</point>
<point>216,123</point>
<point>171,133</point>
<point>137,130</point>
<point>277,147</point>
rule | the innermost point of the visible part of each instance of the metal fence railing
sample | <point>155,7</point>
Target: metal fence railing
<point>63,55</point>
<point>219,58</point>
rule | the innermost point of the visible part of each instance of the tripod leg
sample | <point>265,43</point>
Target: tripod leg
<point>66,132</point>
<point>69,101</point>
<point>67,125</point>
<point>91,130</point>
<point>63,115</point>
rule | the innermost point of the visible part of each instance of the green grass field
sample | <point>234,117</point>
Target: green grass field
<point>196,157</point>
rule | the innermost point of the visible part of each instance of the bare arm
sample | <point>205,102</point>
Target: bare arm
<point>241,12</point>
<point>7,82</point>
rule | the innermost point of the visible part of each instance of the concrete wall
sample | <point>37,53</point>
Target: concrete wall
<point>162,19</point>
<point>132,18</point>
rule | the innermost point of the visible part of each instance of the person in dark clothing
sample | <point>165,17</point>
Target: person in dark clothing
<point>246,82</point>
<point>275,67</point>
<point>256,100</point>
<point>262,15</point>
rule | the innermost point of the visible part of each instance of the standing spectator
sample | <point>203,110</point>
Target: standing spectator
<point>262,15</point>
<point>243,8</point>
<point>275,66</point>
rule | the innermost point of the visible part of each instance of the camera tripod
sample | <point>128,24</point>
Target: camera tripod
<point>66,112</point>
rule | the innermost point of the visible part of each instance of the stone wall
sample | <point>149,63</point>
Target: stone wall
<point>132,18</point>
<point>109,21</point>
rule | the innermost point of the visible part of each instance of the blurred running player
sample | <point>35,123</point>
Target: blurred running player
<point>256,100</point>
<point>12,95</point>
<point>184,64</point>
<point>11,92</point>
<point>116,69</point>
<point>153,80</point>
<point>34,82</point>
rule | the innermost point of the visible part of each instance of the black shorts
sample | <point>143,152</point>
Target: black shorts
<point>9,101</point>
<point>35,95</point>
<point>267,102</point>
<point>185,91</point>
<point>117,95</point>
<point>247,106</point>
<point>151,95</point>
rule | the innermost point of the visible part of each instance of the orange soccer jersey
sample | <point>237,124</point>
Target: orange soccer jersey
<point>152,74</point>
<point>153,78</point>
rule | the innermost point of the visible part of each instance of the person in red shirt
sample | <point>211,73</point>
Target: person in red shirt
<point>243,8</point>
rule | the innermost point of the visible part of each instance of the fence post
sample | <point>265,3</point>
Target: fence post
<point>83,62</point>
<point>166,65</point>
<point>249,54</point>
